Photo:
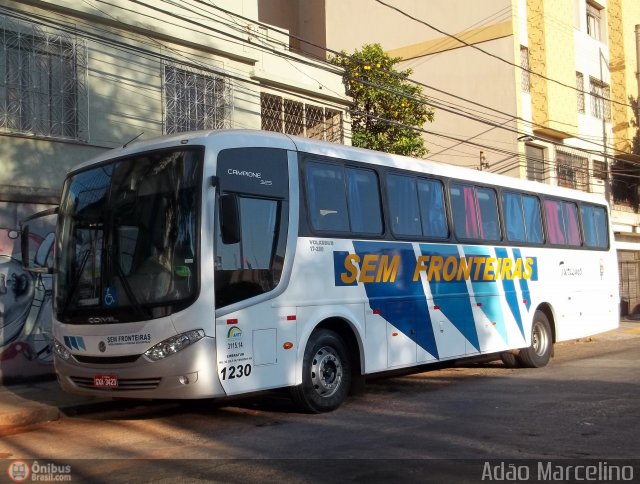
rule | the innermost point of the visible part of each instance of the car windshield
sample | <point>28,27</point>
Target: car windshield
<point>128,237</point>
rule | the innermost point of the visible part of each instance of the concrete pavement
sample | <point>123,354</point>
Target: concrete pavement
<point>43,401</point>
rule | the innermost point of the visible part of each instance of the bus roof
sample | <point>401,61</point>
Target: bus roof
<point>234,138</point>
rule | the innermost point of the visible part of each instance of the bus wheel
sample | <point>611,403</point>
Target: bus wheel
<point>326,374</point>
<point>509,359</point>
<point>537,355</point>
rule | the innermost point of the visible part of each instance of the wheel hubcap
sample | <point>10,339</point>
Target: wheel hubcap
<point>326,371</point>
<point>539,339</point>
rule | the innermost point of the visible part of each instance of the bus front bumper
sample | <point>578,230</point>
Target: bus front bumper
<point>190,373</point>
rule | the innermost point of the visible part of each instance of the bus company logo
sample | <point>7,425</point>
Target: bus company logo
<point>383,268</point>
<point>75,343</point>
<point>19,471</point>
<point>234,333</point>
<point>567,271</point>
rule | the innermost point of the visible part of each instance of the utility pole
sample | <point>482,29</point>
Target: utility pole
<point>607,187</point>
<point>483,161</point>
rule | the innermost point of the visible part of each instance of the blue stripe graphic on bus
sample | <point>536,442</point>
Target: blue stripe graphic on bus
<point>74,342</point>
<point>510,291</point>
<point>487,293</point>
<point>524,285</point>
<point>387,270</point>
<point>448,290</point>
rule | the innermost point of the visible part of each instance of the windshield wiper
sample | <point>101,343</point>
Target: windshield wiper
<point>76,281</point>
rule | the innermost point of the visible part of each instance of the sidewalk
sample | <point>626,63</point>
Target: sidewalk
<point>43,401</point>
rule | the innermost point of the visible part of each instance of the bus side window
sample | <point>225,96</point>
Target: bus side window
<point>433,215</point>
<point>403,205</point>
<point>522,219</point>
<point>555,225</point>
<point>594,223</point>
<point>562,222</point>
<point>513,217</point>
<point>572,230</point>
<point>365,213</point>
<point>532,219</point>
<point>488,213</point>
<point>475,212</point>
<point>326,197</point>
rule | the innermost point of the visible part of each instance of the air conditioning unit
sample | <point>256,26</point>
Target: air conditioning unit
<point>596,185</point>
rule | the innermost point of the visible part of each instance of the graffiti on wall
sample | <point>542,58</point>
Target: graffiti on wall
<point>25,297</point>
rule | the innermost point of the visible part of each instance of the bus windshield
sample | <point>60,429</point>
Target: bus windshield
<point>128,238</point>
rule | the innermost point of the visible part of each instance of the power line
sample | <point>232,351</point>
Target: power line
<point>572,135</point>
<point>244,80</point>
<point>501,59</point>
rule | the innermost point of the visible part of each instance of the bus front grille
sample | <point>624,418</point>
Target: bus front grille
<point>106,360</point>
<point>124,384</point>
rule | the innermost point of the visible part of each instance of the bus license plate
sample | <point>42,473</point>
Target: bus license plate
<point>105,381</point>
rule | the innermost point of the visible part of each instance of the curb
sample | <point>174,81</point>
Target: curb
<point>28,416</point>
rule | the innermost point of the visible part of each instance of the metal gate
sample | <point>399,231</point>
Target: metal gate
<point>629,287</point>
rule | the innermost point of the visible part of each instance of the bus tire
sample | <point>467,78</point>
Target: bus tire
<point>326,374</point>
<point>510,359</point>
<point>538,353</point>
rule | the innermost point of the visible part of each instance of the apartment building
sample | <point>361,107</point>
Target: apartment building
<point>537,89</point>
<point>78,78</point>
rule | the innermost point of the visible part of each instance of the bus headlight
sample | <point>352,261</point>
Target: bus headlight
<point>60,350</point>
<point>174,344</point>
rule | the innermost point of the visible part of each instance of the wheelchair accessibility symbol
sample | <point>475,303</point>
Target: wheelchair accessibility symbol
<point>109,296</point>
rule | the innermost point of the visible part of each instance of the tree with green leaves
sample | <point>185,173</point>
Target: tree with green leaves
<point>386,106</point>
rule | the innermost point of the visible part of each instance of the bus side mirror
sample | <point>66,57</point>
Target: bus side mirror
<point>229,218</point>
<point>42,259</point>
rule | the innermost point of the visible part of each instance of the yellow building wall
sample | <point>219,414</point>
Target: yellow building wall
<point>552,54</point>
<point>623,16</point>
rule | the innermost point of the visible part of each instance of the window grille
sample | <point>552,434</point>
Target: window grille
<point>300,119</point>
<point>293,117</point>
<point>195,100</point>
<point>600,170</point>
<point>600,99</point>
<point>271,110</point>
<point>535,163</point>
<point>43,85</point>
<point>572,170</point>
<point>580,91</point>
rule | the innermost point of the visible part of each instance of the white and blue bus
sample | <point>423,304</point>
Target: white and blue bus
<point>218,263</point>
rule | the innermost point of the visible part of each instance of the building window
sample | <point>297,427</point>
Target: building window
<point>600,170</point>
<point>594,19</point>
<point>195,100</point>
<point>300,119</point>
<point>524,63</point>
<point>580,91</point>
<point>42,81</point>
<point>600,99</point>
<point>535,163</point>
<point>572,170</point>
